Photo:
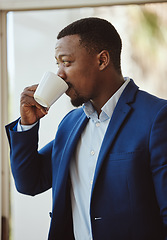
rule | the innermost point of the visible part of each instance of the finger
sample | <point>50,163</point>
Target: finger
<point>30,90</point>
<point>27,97</point>
<point>32,87</point>
<point>42,109</point>
<point>29,101</point>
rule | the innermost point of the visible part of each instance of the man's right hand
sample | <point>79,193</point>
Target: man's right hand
<point>30,110</point>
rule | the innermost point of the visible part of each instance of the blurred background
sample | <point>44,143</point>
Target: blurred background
<point>31,38</point>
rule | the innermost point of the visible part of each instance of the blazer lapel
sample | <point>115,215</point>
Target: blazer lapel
<point>120,113</point>
<point>70,147</point>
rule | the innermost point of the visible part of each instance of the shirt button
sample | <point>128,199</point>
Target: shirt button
<point>91,182</point>
<point>97,124</point>
<point>92,153</point>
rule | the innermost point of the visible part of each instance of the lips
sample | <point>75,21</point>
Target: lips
<point>69,88</point>
<point>68,91</point>
<point>69,84</point>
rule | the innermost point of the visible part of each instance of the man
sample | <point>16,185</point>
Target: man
<point>107,165</point>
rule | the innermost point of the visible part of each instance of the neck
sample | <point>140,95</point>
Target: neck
<point>107,91</point>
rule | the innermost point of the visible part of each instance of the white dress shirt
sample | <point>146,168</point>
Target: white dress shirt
<point>84,161</point>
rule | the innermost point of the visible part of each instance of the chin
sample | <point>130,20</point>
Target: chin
<point>77,102</point>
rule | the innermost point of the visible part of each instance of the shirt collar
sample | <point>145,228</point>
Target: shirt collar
<point>108,108</point>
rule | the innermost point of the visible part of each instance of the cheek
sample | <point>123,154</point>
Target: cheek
<point>83,78</point>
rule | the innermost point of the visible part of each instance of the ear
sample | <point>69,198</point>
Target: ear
<point>103,59</point>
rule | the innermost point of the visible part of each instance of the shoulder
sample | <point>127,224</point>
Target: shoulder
<point>143,99</point>
<point>149,101</point>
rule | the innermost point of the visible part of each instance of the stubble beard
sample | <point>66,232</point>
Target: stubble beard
<point>78,101</point>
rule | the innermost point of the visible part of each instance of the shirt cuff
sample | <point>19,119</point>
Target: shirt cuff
<point>22,128</point>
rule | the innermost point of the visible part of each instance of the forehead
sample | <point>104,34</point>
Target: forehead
<point>67,45</point>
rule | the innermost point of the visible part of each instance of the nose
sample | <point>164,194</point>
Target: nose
<point>61,73</point>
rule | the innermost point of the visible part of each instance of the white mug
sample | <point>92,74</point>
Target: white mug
<point>50,88</point>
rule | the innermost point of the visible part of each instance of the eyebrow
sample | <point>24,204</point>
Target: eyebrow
<point>63,55</point>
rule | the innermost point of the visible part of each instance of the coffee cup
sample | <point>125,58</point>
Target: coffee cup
<point>50,88</point>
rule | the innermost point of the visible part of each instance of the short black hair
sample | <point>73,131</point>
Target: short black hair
<point>96,35</point>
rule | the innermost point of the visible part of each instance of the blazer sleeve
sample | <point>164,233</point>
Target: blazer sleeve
<point>158,162</point>
<point>31,168</point>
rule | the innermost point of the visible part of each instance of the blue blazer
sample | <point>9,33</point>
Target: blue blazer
<point>129,193</point>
